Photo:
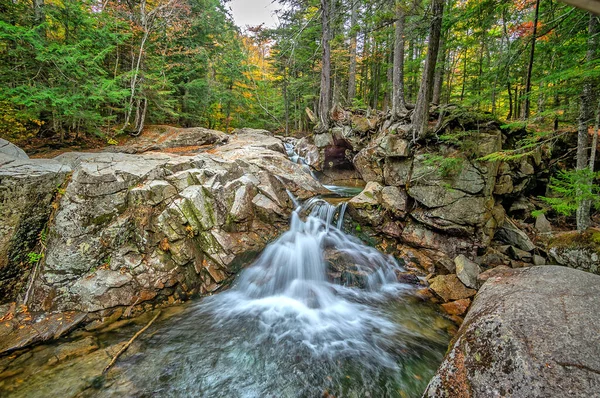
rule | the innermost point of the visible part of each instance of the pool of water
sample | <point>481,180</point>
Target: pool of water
<point>284,329</point>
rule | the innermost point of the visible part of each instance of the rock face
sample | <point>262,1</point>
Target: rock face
<point>530,332</point>
<point>129,228</point>
<point>27,189</point>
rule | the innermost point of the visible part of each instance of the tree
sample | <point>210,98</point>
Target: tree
<point>325,88</point>
<point>420,116</point>
<point>398,102</point>
<point>585,118</point>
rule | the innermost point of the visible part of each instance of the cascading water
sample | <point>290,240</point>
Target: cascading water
<point>286,329</point>
<point>318,314</point>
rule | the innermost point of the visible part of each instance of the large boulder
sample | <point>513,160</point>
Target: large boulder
<point>531,332</point>
<point>129,228</point>
<point>11,150</point>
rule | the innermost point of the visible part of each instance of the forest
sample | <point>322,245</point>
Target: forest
<point>373,198</point>
<point>91,67</point>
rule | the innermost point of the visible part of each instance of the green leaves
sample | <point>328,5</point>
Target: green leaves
<point>572,188</point>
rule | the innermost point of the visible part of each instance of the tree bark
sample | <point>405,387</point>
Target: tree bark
<point>585,117</point>
<point>526,107</point>
<point>325,93</point>
<point>353,41</point>
<point>420,116</point>
<point>398,101</point>
<point>438,79</point>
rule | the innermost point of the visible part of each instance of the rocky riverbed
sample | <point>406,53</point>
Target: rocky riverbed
<point>90,240</point>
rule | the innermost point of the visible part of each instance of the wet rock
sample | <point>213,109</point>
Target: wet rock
<point>365,206</point>
<point>450,288</point>
<point>527,334</point>
<point>467,271</point>
<point>19,333</point>
<point>512,235</point>
<point>458,307</point>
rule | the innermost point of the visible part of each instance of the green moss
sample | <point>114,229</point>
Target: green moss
<point>589,239</point>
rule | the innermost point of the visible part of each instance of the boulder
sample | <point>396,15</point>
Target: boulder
<point>394,200</point>
<point>467,271</point>
<point>500,270</point>
<point>394,146</point>
<point>542,225</point>
<point>128,228</point>
<point>450,288</point>
<point>368,166</point>
<point>11,150</point>
<point>323,140</point>
<point>577,250</point>
<point>512,235</point>
<point>365,206</point>
<point>531,333</point>
<point>458,307</point>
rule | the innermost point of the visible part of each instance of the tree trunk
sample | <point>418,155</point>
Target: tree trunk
<point>398,101</point>
<point>526,106</point>
<point>420,116</point>
<point>585,117</point>
<point>353,41</point>
<point>438,79</point>
<point>325,96</point>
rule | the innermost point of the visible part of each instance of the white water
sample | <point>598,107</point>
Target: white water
<point>288,291</point>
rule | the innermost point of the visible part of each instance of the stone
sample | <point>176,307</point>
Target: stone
<point>518,254</point>
<point>512,235</point>
<point>450,288</point>
<point>364,207</point>
<point>504,185</point>
<point>394,146</point>
<point>500,270</point>
<point>129,228</point>
<point>9,149</point>
<point>458,307</point>
<point>538,260</point>
<point>577,250</point>
<point>467,271</point>
<point>394,200</point>
<point>323,140</point>
<point>530,333</point>
<point>368,167</point>
<point>542,225</point>
<point>434,196</point>
<point>396,172</point>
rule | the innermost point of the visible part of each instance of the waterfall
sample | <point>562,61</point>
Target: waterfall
<point>289,290</point>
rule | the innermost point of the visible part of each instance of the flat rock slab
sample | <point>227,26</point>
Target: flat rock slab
<point>531,332</point>
<point>17,333</point>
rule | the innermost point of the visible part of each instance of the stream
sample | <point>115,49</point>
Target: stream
<point>290,326</point>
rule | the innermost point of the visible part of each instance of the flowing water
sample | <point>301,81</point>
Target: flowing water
<point>294,324</point>
<point>286,330</point>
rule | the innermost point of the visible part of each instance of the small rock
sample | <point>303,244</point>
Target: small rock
<point>511,234</point>
<point>542,225</point>
<point>538,260</point>
<point>458,307</point>
<point>449,288</point>
<point>518,254</point>
<point>467,271</point>
<point>323,140</point>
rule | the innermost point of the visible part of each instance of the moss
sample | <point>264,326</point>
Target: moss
<point>589,239</point>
